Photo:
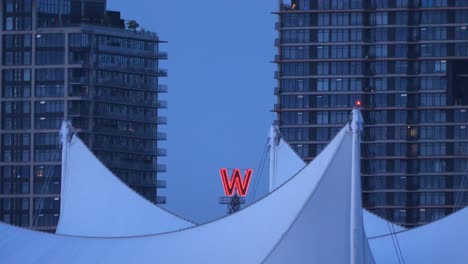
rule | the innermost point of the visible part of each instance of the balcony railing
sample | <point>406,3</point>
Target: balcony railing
<point>133,117</point>
<point>161,200</point>
<point>130,131</point>
<point>161,184</point>
<point>118,83</point>
<point>79,80</point>
<point>277,90</point>
<point>131,165</point>
<point>115,67</point>
<point>162,104</point>
<point>161,168</point>
<point>134,52</point>
<point>134,149</point>
<point>163,55</point>
<point>161,136</point>
<point>161,152</point>
<point>277,42</point>
<point>277,107</point>
<point>162,73</point>
<point>130,100</point>
<point>162,88</point>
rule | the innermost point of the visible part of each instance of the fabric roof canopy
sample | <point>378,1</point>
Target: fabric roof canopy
<point>284,163</point>
<point>439,242</point>
<point>442,241</point>
<point>306,220</point>
<point>94,202</point>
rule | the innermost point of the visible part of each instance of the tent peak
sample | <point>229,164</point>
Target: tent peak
<point>357,122</point>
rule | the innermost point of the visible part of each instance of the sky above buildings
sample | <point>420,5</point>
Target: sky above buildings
<point>220,93</point>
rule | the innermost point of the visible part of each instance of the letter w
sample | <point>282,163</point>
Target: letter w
<point>236,182</point>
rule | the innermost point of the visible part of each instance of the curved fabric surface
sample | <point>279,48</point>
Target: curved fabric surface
<point>325,221</point>
<point>288,163</point>
<point>442,241</point>
<point>97,203</point>
<point>249,236</point>
<point>377,226</point>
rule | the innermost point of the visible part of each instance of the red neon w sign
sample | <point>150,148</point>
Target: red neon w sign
<point>236,183</point>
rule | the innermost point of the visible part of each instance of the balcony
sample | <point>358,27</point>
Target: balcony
<point>126,132</point>
<point>277,90</point>
<point>163,55</point>
<point>131,100</point>
<point>162,104</point>
<point>162,88</point>
<point>134,69</point>
<point>161,120</point>
<point>133,52</point>
<point>75,111</point>
<point>161,168</point>
<point>120,84</point>
<point>161,152</point>
<point>131,165</point>
<point>132,149</point>
<point>161,184</point>
<point>161,136</point>
<point>132,117</point>
<point>79,80</point>
<point>277,42</point>
<point>162,73</point>
<point>277,107</point>
<point>161,200</point>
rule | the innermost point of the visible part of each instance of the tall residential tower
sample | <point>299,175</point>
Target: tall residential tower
<point>405,63</point>
<point>73,59</point>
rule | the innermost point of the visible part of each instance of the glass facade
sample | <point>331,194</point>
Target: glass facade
<point>406,61</point>
<point>75,61</point>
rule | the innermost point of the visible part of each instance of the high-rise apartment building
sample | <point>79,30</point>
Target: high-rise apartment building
<point>73,59</point>
<point>405,63</point>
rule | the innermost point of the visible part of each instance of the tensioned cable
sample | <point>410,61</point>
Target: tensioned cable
<point>391,228</point>
<point>462,187</point>
<point>45,187</point>
<point>261,165</point>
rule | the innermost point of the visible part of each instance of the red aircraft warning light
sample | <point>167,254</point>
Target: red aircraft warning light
<point>236,183</point>
<point>358,103</point>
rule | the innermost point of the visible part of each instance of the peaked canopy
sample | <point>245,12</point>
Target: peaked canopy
<point>96,203</point>
<point>311,218</point>
<point>284,163</point>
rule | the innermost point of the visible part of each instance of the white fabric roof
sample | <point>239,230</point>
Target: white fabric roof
<point>286,163</point>
<point>97,203</point>
<point>305,220</point>
<point>442,241</point>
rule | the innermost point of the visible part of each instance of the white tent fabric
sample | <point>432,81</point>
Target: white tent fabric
<point>377,226</point>
<point>284,163</point>
<point>97,203</point>
<point>442,241</point>
<point>271,230</point>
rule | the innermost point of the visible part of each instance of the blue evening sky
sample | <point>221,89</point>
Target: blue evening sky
<point>220,92</point>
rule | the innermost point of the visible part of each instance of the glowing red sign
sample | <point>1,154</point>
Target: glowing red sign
<point>236,183</point>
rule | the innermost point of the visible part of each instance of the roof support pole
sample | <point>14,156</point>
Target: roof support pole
<point>356,228</point>
<point>273,157</point>
<point>65,136</point>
